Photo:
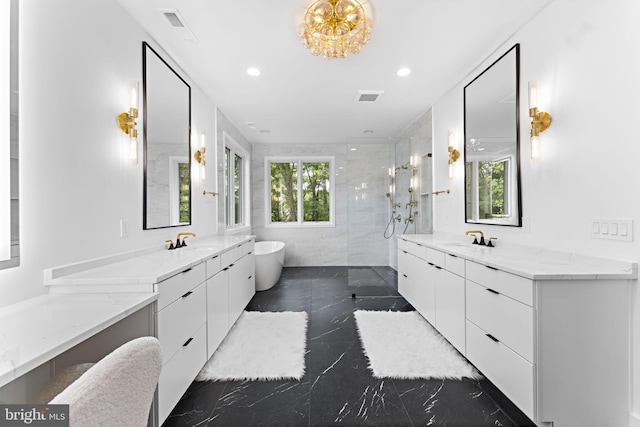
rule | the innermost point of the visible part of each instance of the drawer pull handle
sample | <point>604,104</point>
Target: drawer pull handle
<point>187,294</point>
<point>405,275</point>
<point>187,343</point>
<point>187,270</point>
<point>493,338</point>
<point>430,263</point>
<point>250,277</point>
<point>249,253</point>
<point>231,265</point>
<point>452,255</point>
<point>438,267</point>
<point>239,246</point>
<point>491,268</point>
<point>493,292</point>
<point>405,252</point>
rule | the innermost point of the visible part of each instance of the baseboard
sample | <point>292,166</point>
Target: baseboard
<point>634,420</point>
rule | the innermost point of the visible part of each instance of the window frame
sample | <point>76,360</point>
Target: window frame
<point>300,223</point>
<point>228,173</point>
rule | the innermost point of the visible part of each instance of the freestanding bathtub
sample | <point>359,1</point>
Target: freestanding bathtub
<point>269,263</point>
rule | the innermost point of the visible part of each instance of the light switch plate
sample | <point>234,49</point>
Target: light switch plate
<point>612,229</point>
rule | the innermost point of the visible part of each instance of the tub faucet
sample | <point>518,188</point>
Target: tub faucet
<point>475,240</point>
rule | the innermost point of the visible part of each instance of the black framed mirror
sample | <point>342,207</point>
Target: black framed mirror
<point>167,144</point>
<point>492,144</point>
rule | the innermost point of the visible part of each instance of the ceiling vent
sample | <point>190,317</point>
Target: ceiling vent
<point>178,23</point>
<point>368,96</point>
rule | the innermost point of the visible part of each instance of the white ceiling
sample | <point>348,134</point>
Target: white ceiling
<point>301,98</point>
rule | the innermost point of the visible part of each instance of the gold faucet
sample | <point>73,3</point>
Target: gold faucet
<point>475,241</point>
<point>185,234</point>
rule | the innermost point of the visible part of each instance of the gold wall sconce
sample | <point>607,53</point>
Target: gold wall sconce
<point>199,156</point>
<point>540,120</point>
<point>127,123</point>
<point>454,153</point>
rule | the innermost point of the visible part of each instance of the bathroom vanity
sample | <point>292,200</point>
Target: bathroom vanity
<point>549,329</point>
<point>201,291</point>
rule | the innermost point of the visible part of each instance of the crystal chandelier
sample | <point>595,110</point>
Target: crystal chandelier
<point>335,28</point>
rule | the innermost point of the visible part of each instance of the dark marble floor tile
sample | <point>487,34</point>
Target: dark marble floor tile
<point>262,403</point>
<point>196,405</point>
<point>450,403</point>
<point>382,303</point>
<point>331,319</point>
<point>344,392</point>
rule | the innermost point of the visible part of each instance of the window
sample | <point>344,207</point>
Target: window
<point>236,179</point>
<point>299,191</point>
<point>492,187</point>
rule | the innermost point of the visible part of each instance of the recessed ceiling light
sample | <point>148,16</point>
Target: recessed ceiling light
<point>402,72</point>
<point>354,149</point>
<point>253,71</point>
<point>368,131</point>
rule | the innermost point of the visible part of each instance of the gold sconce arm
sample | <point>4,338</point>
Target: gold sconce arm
<point>199,155</point>
<point>127,122</point>
<point>540,121</point>
<point>454,155</point>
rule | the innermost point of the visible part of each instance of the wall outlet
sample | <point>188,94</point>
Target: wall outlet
<point>612,229</point>
<point>124,228</point>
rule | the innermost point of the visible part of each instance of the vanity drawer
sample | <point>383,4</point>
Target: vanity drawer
<point>435,257</point>
<point>512,374</point>
<point>516,287</point>
<point>178,321</point>
<point>412,248</point>
<point>213,266</point>
<point>178,373</point>
<point>232,255</point>
<point>247,247</point>
<point>176,286</point>
<point>454,264</point>
<point>506,319</point>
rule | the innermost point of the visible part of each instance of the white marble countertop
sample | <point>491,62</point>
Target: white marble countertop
<point>532,263</point>
<point>138,271</point>
<point>37,330</point>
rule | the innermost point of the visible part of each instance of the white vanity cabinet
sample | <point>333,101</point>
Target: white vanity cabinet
<point>217,304</point>
<point>500,331</point>
<point>230,287</point>
<point>417,278</point>
<point>181,329</point>
<point>201,291</point>
<point>450,301</point>
<point>549,329</point>
<point>431,282</point>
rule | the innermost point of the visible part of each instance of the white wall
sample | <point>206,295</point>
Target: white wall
<point>77,60</point>
<point>585,57</point>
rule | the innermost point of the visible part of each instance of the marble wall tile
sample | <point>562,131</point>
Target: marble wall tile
<point>360,206</point>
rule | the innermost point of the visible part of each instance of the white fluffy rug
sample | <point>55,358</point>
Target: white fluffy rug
<point>404,345</point>
<point>261,346</point>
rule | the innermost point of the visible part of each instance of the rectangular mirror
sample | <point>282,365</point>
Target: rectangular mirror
<point>167,144</point>
<point>9,138</point>
<point>492,144</point>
